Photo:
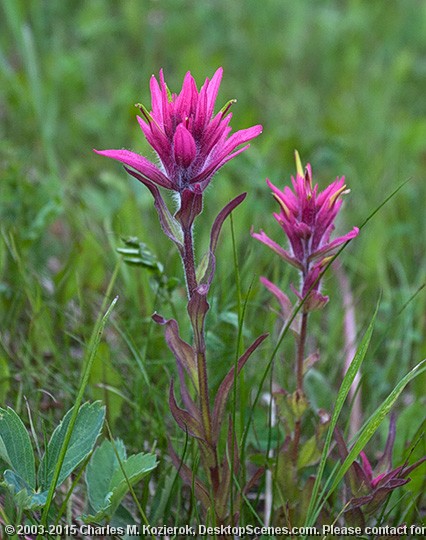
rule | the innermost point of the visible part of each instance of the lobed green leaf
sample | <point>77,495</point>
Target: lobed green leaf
<point>15,446</point>
<point>86,430</point>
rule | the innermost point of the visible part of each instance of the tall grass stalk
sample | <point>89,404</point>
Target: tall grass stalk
<point>340,400</point>
<point>98,331</point>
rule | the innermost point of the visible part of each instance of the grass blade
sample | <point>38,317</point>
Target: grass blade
<point>374,422</point>
<point>85,379</point>
<point>340,400</point>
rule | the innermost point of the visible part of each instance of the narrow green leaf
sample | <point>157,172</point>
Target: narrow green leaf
<point>104,377</point>
<point>341,397</point>
<point>163,496</point>
<point>373,423</point>
<point>4,378</point>
<point>94,343</point>
<point>86,430</point>
<point>15,446</point>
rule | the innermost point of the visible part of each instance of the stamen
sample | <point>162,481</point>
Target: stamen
<point>282,204</point>
<point>227,106</point>
<point>339,192</point>
<point>144,111</point>
<point>148,116</point>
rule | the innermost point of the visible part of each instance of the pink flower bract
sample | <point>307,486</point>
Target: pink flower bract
<point>190,142</point>
<point>307,218</point>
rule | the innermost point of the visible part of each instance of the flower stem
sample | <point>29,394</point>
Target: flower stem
<point>299,381</point>
<point>301,352</point>
<point>189,261</point>
<point>204,395</point>
<point>199,341</point>
<point>197,309</point>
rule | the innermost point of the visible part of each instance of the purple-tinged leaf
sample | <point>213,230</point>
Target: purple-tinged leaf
<point>225,477</point>
<point>197,309</point>
<point>253,480</point>
<point>206,269</point>
<point>385,462</point>
<point>223,214</point>
<point>168,223</point>
<point>182,351</point>
<point>407,470</point>
<point>380,494</point>
<point>183,418</point>
<point>188,477</point>
<point>191,205</point>
<point>400,472</point>
<point>283,299</point>
<point>248,487</point>
<point>357,479</point>
<point>357,502</point>
<point>366,465</point>
<point>186,397</point>
<point>226,385</point>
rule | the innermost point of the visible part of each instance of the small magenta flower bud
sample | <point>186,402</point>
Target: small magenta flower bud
<point>185,149</point>
<point>307,218</point>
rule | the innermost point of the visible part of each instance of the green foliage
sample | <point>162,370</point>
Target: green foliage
<point>372,424</point>
<point>16,451</point>
<point>87,428</point>
<point>347,382</point>
<point>342,81</point>
<point>110,474</point>
<point>107,382</point>
<point>4,378</point>
<point>15,447</point>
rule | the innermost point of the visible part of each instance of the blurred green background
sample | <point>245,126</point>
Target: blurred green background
<point>342,81</point>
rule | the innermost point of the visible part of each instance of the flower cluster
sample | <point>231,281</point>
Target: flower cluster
<point>307,218</point>
<point>191,143</point>
<point>369,489</point>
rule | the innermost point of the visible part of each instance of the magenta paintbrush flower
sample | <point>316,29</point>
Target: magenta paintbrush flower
<point>307,218</point>
<point>371,488</point>
<point>191,143</point>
